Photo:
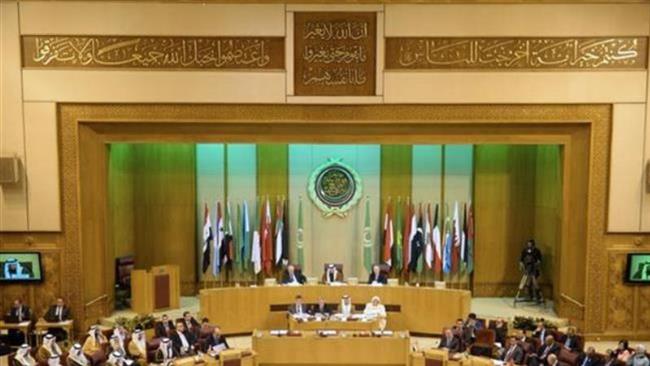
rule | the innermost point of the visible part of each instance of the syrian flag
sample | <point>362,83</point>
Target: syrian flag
<point>455,253</point>
<point>388,235</point>
<point>207,238</point>
<point>216,261</point>
<point>437,243</point>
<point>428,246</point>
<point>417,241</point>
<point>256,248</point>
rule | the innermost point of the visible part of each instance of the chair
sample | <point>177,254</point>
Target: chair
<point>480,361</point>
<point>568,357</point>
<point>436,357</point>
<point>230,357</point>
<point>484,343</point>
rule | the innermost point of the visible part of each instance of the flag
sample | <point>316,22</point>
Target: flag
<point>437,243</point>
<point>428,246</point>
<point>227,241</point>
<point>367,238</point>
<point>455,252</point>
<point>470,239</point>
<point>417,237</point>
<point>207,238</point>
<point>423,232</point>
<point>463,239</point>
<point>245,238</point>
<point>446,255</point>
<point>266,237</point>
<point>397,246</point>
<point>216,261</point>
<point>256,248</point>
<point>279,230</point>
<point>300,237</point>
<point>285,233</point>
<point>388,235</point>
<point>409,233</point>
<point>237,243</point>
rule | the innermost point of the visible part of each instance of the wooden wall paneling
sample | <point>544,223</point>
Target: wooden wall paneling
<point>164,197</point>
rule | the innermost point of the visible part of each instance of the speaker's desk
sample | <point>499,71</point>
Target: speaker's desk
<point>296,324</point>
<point>342,349</point>
<point>417,309</point>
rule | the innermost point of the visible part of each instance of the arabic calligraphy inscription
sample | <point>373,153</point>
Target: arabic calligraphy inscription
<point>149,52</point>
<point>334,53</point>
<point>517,53</point>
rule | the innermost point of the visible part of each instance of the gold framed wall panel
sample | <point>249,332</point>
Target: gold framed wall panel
<point>518,124</point>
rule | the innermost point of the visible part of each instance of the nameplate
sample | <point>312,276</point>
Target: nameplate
<point>335,53</point>
<point>514,53</point>
<point>153,52</point>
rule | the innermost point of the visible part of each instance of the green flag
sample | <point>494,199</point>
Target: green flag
<point>367,238</point>
<point>397,245</point>
<point>245,238</point>
<point>300,243</point>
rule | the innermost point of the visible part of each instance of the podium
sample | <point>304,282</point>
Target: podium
<point>156,289</point>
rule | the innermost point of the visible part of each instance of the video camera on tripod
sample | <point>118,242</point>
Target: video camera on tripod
<point>530,264</point>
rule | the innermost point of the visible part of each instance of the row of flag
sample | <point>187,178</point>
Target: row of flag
<point>415,239</point>
<point>242,246</point>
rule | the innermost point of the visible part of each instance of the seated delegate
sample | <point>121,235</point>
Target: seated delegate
<point>292,277</point>
<point>376,310</point>
<point>332,275</point>
<point>377,277</point>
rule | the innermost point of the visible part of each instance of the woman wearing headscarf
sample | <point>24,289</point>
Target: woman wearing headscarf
<point>94,346</point>
<point>48,349</point>
<point>23,357</point>
<point>138,347</point>
<point>76,356</point>
<point>376,310</point>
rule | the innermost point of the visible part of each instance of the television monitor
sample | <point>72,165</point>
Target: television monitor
<point>638,268</point>
<point>20,267</point>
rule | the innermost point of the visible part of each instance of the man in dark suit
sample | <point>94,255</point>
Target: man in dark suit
<point>500,330</point>
<point>589,358</point>
<point>514,353</point>
<point>59,312</point>
<point>191,324</point>
<point>182,340</point>
<point>449,341</point>
<point>376,277</point>
<point>292,276</point>
<point>571,341</point>
<point>548,348</point>
<point>164,327</point>
<point>298,308</point>
<point>216,341</point>
<point>321,308</point>
<point>540,332</point>
<point>19,313</point>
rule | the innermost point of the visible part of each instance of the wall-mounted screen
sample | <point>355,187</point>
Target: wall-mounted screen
<point>20,267</point>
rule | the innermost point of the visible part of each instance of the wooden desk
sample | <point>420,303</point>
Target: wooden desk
<point>344,349</point>
<point>417,309</point>
<point>333,324</point>
<point>41,327</point>
<point>204,359</point>
<point>417,359</point>
<point>22,326</point>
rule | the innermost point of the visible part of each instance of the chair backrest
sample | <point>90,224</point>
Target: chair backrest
<point>486,336</point>
<point>480,361</point>
<point>436,357</point>
<point>230,357</point>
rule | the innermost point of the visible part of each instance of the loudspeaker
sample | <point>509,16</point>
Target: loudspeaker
<point>9,170</point>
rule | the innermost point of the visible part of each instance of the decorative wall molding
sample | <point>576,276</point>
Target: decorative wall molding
<point>153,52</point>
<point>514,53</point>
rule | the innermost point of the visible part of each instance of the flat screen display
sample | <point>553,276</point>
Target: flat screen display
<point>20,267</point>
<point>638,268</point>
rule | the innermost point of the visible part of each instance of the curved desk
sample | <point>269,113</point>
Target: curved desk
<point>417,309</point>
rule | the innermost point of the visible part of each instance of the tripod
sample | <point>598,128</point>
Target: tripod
<point>529,282</point>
